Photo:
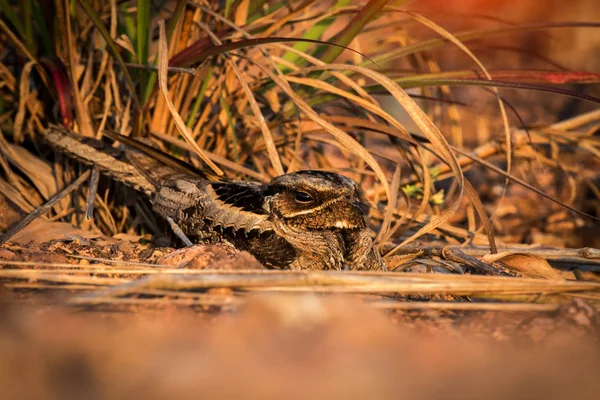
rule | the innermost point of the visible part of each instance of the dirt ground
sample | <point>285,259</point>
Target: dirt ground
<point>294,347</point>
<point>277,345</point>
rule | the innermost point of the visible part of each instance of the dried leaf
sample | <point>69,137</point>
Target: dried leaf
<point>14,196</point>
<point>43,231</point>
<point>529,265</point>
<point>39,172</point>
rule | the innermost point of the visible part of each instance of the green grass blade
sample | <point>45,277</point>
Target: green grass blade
<point>228,5</point>
<point>128,22</point>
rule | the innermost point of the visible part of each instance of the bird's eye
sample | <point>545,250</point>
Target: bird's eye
<point>303,197</point>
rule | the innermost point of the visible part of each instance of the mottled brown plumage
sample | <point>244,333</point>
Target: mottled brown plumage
<point>306,220</point>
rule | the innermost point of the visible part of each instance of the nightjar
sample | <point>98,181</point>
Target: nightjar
<point>305,220</point>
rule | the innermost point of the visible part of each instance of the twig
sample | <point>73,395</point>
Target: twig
<point>44,208</point>
<point>584,255</point>
<point>454,306</point>
<point>455,254</point>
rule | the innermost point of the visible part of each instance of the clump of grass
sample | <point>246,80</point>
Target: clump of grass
<point>259,88</point>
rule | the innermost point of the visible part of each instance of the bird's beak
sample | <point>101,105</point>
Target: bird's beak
<point>362,206</point>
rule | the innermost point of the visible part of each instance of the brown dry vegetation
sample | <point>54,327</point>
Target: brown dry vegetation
<point>108,308</point>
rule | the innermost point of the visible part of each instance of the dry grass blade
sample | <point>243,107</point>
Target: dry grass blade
<point>267,135</point>
<point>15,196</point>
<point>340,76</point>
<point>19,44</point>
<point>81,110</point>
<point>578,121</point>
<point>367,103</point>
<point>62,278</point>
<point>104,263</point>
<point>336,282</point>
<point>508,140</point>
<point>163,64</point>
<point>342,137</point>
<point>426,186</point>
<point>447,35</point>
<point>36,169</point>
<point>384,232</point>
<point>485,220</point>
<point>344,79</point>
<point>471,193</point>
<point>86,270</point>
<point>45,286</point>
